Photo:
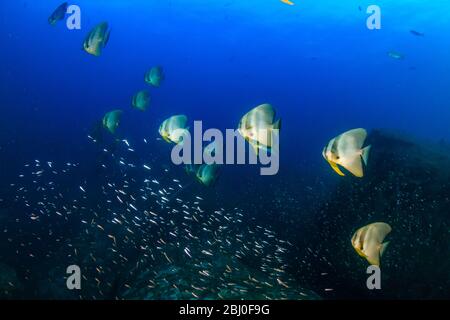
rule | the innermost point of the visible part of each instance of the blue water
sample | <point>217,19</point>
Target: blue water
<point>315,62</point>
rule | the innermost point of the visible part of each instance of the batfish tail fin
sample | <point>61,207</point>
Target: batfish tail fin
<point>383,248</point>
<point>365,154</point>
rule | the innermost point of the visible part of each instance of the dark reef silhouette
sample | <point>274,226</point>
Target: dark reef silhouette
<point>407,185</point>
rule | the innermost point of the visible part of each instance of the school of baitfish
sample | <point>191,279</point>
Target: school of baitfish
<point>162,227</point>
<point>180,231</point>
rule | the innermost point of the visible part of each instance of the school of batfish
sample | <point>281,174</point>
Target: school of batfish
<point>157,224</point>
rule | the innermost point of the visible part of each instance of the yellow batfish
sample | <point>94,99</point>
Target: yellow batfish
<point>155,76</point>
<point>141,100</point>
<point>258,127</point>
<point>174,129</point>
<point>111,120</point>
<point>207,174</point>
<point>97,39</point>
<point>368,241</point>
<point>287,2</point>
<point>58,14</point>
<point>346,150</point>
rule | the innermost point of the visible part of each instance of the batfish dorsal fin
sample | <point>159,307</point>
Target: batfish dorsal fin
<point>166,138</point>
<point>262,115</point>
<point>361,254</point>
<point>359,135</point>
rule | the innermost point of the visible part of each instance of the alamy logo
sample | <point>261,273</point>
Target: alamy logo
<point>74,280</point>
<point>374,280</point>
<point>234,151</point>
<point>73,22</point>
<point>374,20</point>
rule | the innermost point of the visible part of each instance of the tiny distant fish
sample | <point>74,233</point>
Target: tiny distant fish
<point>188,252</point>
<point>417,33</point>
<point>396,55</point>
<point>58,14</point>
<point>208,253</point>
<point>282,283</point>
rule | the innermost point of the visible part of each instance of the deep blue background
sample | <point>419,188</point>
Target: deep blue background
<point>316,62</point>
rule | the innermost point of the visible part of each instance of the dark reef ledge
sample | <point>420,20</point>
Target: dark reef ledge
<point>407,185</point>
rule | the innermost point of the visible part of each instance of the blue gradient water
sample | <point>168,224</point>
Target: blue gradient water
<point>316,62</point>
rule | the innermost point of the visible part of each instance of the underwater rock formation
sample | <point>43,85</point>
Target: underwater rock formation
<point>257,252</point>
<point>227,278</point>
<point>224,276</point>
<point>407,185</point>
<point>10,286</point>
<point>102,274</point>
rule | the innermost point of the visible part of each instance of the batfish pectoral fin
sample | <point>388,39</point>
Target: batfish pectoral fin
<point>166,138</point>
<point>360,253</point>
<point>336,168</point>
